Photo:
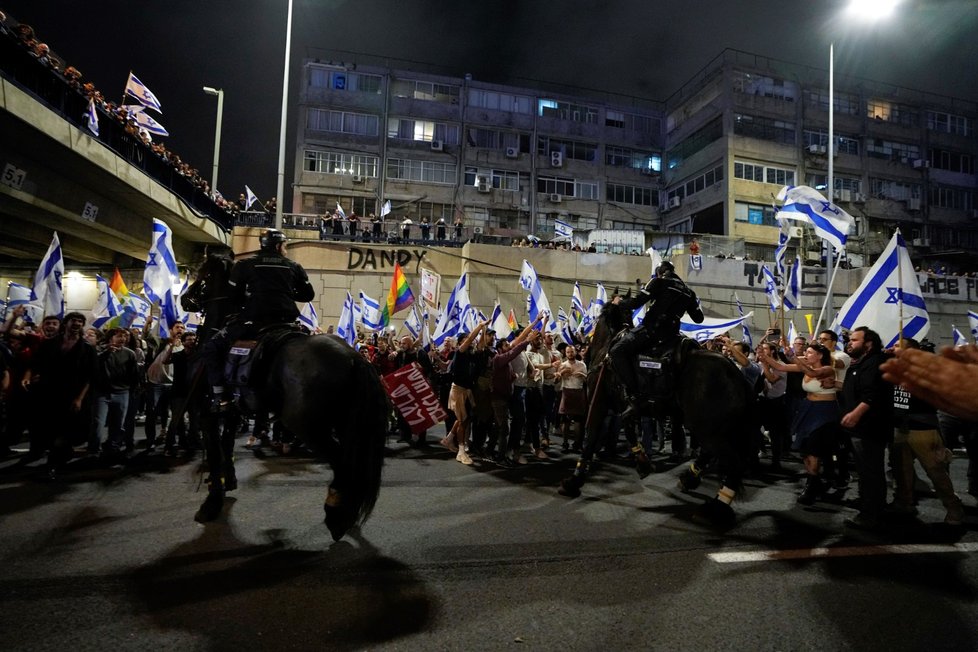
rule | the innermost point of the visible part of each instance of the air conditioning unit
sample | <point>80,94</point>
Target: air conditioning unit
<point>512,152</point>
<point>437,146</point>
<point>556,159</point>
<point>675,202</point>
<point>482,184</point>
<point>913,204</point>
<point>858,198</point>
<point>843,195</point>
<point>795,232</point>
<point>920,242</point>
<point>920,164</point>
<point>357,178</point>
<point>816,149</point>
<point>477,230</point>
<point>555,198</point>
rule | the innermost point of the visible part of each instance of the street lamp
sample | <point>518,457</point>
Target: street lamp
<point>217,133</point>
<point>280,186</point>
<point>865,11</point>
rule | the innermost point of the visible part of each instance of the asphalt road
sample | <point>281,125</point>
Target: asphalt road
<point>465,558</point>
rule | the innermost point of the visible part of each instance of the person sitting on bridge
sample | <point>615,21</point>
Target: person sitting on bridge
<point>670,298</point>
<point>267,287</point>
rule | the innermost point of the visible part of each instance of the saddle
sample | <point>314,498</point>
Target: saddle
<point>658,370</point>
<point>248,360</point>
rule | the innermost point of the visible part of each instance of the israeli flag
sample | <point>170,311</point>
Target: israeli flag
<point>710,328</point>
<point>499,323</point>
<point>876,303</point>
<point>740,311</point>
<point>385,209</point>
<point>958,337</point>
<point>18,295</point>
<point>656,258</point>
<point>371,315</point>
<point>146,121</point>
<point>537,301</point>
<point>792,293</point>
<point>250,198</point>
<point>340,211</point>
<point>639,315</point>
<point>770,288</point>
<point>973,320</point>
<point>91,117</point>
<point>107,305</point>
<point>309,318</point>
<point>346,328</point>
<point>140,307</point>
<point>563,230</point>
<point>806,204</point>
<point>792,331</point>
<point>449,323</point>
<point>161,267</point>
<point>564,329</point>
<point>137,89</point>
<point>577,302</point>
<point>48,288</point>
<point>413,322</point>
<point>781,249</point>
<point>597,305</point>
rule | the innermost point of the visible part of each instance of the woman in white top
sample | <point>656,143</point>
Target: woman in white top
<point>573,397</point>
<point>816,423</point>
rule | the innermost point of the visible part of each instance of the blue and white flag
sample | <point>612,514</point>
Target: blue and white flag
<point>696,262</point>
<point>577,302</point>
<point>563,230</point>
<point>597,305</point>
<point>346,328</point>
<point>499,323</point>
<point>537,301</point>
<point>957,337</point>
<point>564,328</point>
<point>137,89</point>
<point>638,315</point>
<point>161,272</point>
<point>250,198</point>
<point>740,311</point>
<point>710,328</point>
<point>792,292</point>
<point>384,210</point>
<point>340,211</point>
<point>146,121</point>
<point>806,204</point>
<point>876,303</point>
<point>309,318</point>
<point>48,289</point>
<point>18,295</point>
<point>91,117</point>
<point>781,249</point>
<point>107,304</point>
<point>656,259</point>
<point>792,331</point>
<point>449,323</point>
<point>371,316</point>
<point>973,320</point>
<point>413,321</point>
<point>170,311</point>
<point>770,288</point>
<point>140,307</point>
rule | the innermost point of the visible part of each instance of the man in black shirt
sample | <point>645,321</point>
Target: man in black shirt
<point>115,377</point>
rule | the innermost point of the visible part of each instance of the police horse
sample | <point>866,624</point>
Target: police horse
<point>710,397</point>
<point>318,387</point>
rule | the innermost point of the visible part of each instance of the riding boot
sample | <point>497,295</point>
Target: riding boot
<point>813,490</point>
<point>219,404</point>
<point>633,408</point>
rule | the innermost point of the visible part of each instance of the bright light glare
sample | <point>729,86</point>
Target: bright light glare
<point>871,10</point>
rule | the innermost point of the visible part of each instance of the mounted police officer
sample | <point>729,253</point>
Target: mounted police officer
<point>669,298</point>
<point>266,287</point>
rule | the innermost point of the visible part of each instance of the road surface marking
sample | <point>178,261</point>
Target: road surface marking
<point>849,551</point>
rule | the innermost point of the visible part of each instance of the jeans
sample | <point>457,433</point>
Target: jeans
<point>927,447</point>
<point>517,413</point>
<point>157,407</point>
<point>110,414</point>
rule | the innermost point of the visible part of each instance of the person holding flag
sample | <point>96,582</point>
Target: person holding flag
<point>669,298</point>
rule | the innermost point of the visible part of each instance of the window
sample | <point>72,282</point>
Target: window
<point>894,151</point>
<point>631,121</point>
<point>821,181</point>
<point>755,214</point>
<point>951,161</point>
<point>315,204</point>
<point>567,111</point>
<point>751,84</point>
<point>586,189</point>
<point>948,197</point>
<point>492,100</point>
<point>435,212</point>
<point>878,109</point>
<point>948,123</point>
<point>625,194</point>
<point>764,174</point>
<point>344,122</point>
<point>845,103</point>
<point>344,80</point>
<point>779,131</point>
<point>622,157</point>
<point>421,171</point>
<point>895,190</point>
<point>571,149</point>
<point>696,141</point>
<point>555,185</point>
<point>340,163</point>
<point>843,144</point>
<point>422,130</point>
<point>425,90</point>
<point>505,180</point>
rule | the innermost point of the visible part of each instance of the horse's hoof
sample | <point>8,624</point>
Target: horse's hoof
<point>230,482</point>
<point>689,480</point>
<point>338,520</point>
<point>210,509</point>
<point>643,465</point>
<point>571,487</point>
<point>716,514</point>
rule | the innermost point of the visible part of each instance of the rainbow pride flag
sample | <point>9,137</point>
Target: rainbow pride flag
<point>513,324</point>
<point>118,285</point>
<point>399,298</point>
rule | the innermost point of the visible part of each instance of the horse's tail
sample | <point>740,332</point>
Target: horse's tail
<point>363,443</point>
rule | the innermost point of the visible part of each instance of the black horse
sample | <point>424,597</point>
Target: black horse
<point>319,389</point>
<point>713,401</point>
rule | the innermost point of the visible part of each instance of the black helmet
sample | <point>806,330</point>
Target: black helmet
<point>271,238</point>
<point>664,268</point>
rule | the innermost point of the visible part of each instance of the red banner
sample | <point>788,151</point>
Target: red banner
<point>414,398</point>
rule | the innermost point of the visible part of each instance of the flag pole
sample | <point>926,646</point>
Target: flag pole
<point>899,255</point>
<point>828,292</point>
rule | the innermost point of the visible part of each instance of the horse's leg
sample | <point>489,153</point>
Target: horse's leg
<point>210,509</point>
<point>691,477</point>
<point>642,463</point>
<point>571,486</point>
<point>232,422</point>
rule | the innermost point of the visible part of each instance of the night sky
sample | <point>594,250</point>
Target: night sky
<point>646,48</point>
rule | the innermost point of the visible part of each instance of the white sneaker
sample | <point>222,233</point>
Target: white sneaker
<point>463,457</point>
